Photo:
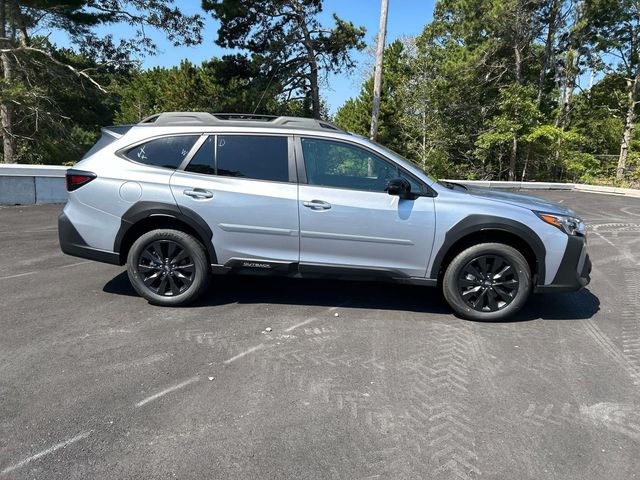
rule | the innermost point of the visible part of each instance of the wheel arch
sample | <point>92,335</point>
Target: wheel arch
<point>143,217</point>
<point>477,229</point>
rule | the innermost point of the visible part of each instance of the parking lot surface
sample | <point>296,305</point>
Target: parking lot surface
<point>353,380</point>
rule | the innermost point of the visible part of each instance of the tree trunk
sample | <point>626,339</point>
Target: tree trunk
<point>512,159</point>
<point>629,125</point>
<point>7,115</point>
<point>518,63</point>
<point>566,101</point>
<point>424,138</point>
<point>313,65</point>
<point>514,141</point>
<point>315,87</point>
<point>6,107</point>
<point>377,74</point>
<point>548,48</point>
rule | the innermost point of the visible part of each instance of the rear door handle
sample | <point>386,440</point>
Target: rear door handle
<point>198,193</point>
<point>317,205</point>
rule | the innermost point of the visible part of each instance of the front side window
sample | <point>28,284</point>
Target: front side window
<point>340,165</point>
<point>257,157</point>
<point>167,152</point>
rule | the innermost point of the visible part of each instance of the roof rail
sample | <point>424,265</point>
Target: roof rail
<point>236,119</point>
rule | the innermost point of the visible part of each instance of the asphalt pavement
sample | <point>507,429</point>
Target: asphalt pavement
<point>301,379</point>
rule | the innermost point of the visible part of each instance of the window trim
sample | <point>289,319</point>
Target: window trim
<point>291,156</point>
<point>302,172</point>
<point>121,152</point>
<point>192,152</point>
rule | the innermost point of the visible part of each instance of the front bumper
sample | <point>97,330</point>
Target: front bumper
<point>575,268</point>
<point>72,243</point>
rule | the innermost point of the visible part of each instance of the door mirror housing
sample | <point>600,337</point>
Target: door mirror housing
<point>399,187</point>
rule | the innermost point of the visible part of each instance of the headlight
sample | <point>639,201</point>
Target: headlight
<point>568,224</point>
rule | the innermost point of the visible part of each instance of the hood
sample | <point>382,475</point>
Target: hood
<point>520,200</point>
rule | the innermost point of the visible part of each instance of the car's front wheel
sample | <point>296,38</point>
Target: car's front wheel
<point>168,267</point>
<point>489,281</point>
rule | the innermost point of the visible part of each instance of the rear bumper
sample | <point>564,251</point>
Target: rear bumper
<point>72,243</point>
<point>575,268</point>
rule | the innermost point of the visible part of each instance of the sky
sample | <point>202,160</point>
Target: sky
<point>405,18</point>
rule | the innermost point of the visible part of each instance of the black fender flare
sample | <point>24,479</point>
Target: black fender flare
<point>142,210</point>
<point>480,223</point>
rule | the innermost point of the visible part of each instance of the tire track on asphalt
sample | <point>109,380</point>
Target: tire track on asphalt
<point>438,417</point>
<point>428,428</point>
<point>627,357</point>
<point>611,350</point>
<point>623,419</point>
<point>631,324</point>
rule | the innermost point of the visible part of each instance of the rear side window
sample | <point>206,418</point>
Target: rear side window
<point>203,161</point>
<point>167,152</point>
<point>253,156</point>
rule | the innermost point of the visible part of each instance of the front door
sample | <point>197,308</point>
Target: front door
<point>348,220</point>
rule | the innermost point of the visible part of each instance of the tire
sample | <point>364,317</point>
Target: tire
<point>168,267</point>
<point>487,282</point>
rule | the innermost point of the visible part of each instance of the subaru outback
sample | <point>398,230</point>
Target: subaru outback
<point>183,196</point>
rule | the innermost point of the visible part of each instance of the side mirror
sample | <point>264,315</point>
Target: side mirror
<point>400,187</point>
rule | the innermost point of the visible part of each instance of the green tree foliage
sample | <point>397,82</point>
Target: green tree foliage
<point>230,84</point>
<point>287,39</point>
<point>38,79</point>
<point>491,89</point>
<point>355,114</point>
<point>517,89</point>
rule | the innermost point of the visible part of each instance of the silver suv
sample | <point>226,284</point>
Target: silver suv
<point>183,195</point>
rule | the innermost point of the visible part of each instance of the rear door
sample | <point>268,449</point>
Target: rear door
<point>348,220</point>
<point>243,186</point>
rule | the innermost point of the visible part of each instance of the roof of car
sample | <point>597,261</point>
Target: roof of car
<point>166,119</point>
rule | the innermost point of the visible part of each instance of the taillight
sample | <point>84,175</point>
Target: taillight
<point>78,178</point>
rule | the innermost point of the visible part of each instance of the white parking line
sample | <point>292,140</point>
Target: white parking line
<point>246,352</point>
<point>74,264</point>
<point>46,452</point>
<point>312,319</point>
<point>48,229</point>
<point>38,271</point>
<point>17,275</point>
<point>293,327</point>
<point>167,390</point>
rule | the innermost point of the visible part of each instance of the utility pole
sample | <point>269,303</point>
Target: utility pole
<point>377,74</point>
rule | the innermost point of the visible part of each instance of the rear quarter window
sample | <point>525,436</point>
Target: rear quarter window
<point>167,152</point>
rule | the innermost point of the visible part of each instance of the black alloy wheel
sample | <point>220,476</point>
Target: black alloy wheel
<point>488,283</point>
<point>166,268</point>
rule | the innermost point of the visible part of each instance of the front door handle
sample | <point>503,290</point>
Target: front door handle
<point>198,193</point>
<point>317,205</point>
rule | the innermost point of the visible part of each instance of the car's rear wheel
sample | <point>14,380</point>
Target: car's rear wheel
<point>489,281</point>
<point>168,267</point>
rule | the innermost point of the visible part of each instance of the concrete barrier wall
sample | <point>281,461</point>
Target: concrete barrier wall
<point>32,184</point>
<point>629,192</point>
<point>35,184</point>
